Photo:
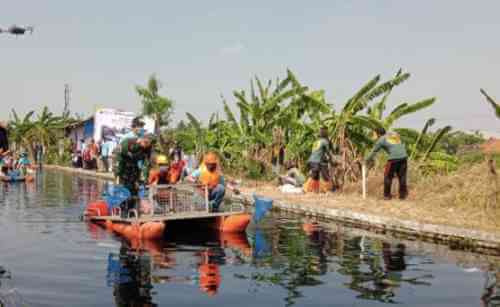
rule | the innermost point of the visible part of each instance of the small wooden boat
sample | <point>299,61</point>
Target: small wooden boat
<point>13,179</point>
<point>20,178</point>
<point>172,207</point>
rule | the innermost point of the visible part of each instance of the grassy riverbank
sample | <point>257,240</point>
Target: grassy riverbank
<point>467,198</point>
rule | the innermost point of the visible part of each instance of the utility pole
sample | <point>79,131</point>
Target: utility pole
<point>66,111</point>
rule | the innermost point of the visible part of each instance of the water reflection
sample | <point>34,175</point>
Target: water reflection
<point>140,264</point>
<point>491,293</point>
<point>285,261</point>
<point>9,297</point>
<point>374,269</point>
<point>291,255</point>
<point>130,275</point>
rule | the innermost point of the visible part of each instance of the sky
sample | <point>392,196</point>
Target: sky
<point>201,50</point>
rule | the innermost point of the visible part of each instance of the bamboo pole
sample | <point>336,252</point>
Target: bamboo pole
<point>363,170</point>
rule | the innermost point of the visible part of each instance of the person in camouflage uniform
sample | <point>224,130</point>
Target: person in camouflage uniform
<point>128,172</point>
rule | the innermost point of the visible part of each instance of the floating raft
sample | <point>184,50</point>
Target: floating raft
<point>172,207</point>
<point>171,217</point>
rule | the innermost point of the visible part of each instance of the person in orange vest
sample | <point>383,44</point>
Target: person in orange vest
<point>318,162</point>
<point>209,174</point>
<point>209,273</point>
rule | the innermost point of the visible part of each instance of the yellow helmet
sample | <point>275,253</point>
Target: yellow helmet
<point>161,159</point>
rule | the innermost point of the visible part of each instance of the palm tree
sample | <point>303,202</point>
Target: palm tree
<point>158,107</point>
<point>493,103</point>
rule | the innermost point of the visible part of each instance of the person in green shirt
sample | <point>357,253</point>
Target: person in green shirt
<point>131,151</point>
<point>397,164</point>
<point>320,157</point>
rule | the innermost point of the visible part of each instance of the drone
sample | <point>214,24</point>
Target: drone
<point>17,30</point>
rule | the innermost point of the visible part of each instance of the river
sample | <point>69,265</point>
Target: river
<point>53,259</point>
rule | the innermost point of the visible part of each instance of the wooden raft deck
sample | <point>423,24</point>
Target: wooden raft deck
<point>164,218</point>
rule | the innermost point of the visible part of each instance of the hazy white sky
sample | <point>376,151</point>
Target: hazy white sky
<point>202,49</point>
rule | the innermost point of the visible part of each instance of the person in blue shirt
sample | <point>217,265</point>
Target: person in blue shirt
<point>137,131</point>
<point>23,163</point>
<point>106,148</point>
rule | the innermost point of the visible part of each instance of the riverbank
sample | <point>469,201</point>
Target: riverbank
<point>413,218</point>
<point>82,172</point>
<point>459,209</point>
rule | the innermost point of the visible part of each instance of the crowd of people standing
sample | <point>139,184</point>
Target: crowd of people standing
<point>90,155</point>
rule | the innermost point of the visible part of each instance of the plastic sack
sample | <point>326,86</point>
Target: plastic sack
<point>115,196</point>
<point>261,246</point>
<point>290,189</point>
<point>262,206</point>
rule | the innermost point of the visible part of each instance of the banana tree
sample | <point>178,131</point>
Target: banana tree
<point>19,129</point>
<point>423,148</point>
<point>377,112</point>
<point>47,128</point>
<point>268,109</point>
<point>351,130</point>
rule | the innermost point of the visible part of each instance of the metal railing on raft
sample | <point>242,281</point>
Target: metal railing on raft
<point>180,198</point>
<point>184,198</point>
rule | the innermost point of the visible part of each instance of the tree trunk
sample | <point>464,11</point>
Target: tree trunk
<point>163,145</point>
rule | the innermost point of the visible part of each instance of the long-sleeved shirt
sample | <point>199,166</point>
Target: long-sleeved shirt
<point>297,175</point>
<point>320,151</point>
<point>392,145</point>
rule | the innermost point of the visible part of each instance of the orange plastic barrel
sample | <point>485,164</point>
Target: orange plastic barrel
<point>97,208</point>
<point>146,231</point>
<point>233,223</point>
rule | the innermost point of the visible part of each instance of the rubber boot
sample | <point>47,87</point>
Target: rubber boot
<point>124,210</point>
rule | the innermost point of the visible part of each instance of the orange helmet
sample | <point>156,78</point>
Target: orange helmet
<point>210,158</point>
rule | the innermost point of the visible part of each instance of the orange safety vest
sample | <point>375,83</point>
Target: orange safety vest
<point>210,179</point>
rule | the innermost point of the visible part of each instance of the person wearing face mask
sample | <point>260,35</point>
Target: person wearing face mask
<point>128,172</point>
<point>137,131</point>
<point>209,175</point>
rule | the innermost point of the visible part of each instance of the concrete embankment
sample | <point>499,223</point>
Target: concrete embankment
<point>474,240</point>
<point>82,172</point>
